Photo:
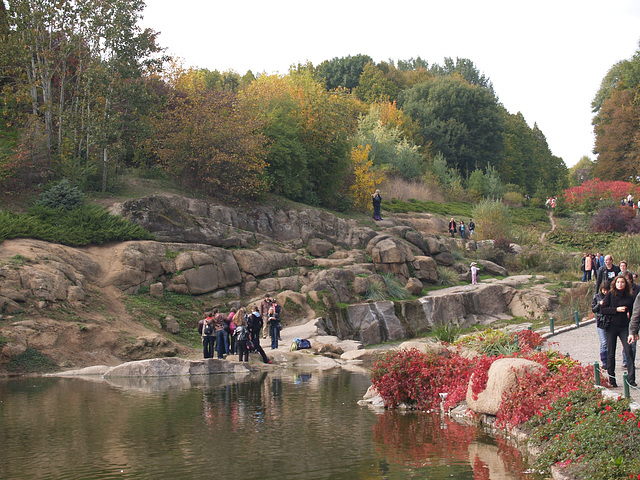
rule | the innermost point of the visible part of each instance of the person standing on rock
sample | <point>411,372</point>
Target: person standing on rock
<point>242,335</point>
<point>272,322</point>
<point>218,324</point>
<point>265,305</point>
<point>452,228</point>
<point>474,273</point>
<point>376,199</point>
<point>617,306</point>
<point>207,330</point>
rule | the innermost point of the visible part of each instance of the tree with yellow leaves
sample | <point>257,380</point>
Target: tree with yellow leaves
<point>367,179</point>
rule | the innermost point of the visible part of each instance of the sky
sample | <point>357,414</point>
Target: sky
<point>546,59</point>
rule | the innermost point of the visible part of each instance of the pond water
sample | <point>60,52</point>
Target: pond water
<point>277,425</point>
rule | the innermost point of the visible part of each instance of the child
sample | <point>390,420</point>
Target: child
<point>242,334</point>
<point>474,273</point>
<point>596,303</point>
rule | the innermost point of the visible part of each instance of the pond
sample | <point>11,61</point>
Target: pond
<point>278,425</point>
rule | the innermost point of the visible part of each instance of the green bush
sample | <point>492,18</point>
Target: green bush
<point>450,209</point>
<point>61,195</point>
<point>493,220</point>
<point>31,361</point>
<point>447,277</point>
<point>84,225</point>
<point>626,248</point>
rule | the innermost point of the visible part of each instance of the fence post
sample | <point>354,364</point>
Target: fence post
<point>551,325</point>
<point>575,314</point>
<point>625,380</point>
<point>596,373</point>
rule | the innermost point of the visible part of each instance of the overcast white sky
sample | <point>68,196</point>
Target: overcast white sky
<point>546,58</point>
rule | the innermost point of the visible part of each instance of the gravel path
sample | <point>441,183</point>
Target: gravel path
<point>582,344</point>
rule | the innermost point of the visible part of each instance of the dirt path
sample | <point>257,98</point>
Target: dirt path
<point>553,226</point>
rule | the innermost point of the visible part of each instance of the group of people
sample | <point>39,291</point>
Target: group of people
<point>454,228</point>
<point>617,311</point>
<point>628,201</point>
<point>239,331</point>
<point>551,202</point>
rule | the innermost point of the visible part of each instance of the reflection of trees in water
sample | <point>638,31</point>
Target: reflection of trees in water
<point>419,439</point>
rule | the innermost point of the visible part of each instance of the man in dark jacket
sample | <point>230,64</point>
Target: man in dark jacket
<point>607,272</point>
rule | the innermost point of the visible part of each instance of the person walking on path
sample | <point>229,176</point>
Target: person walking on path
<point>472,227</point>
<point>596,303</point>
<point>607,272</point>
<point>586,267</point>
<point>617,306</point>
<point>255,324</point>
<point>376,199</point>
<point>462,229</point>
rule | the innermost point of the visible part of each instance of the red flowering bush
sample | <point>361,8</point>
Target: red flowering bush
<point>588,195</point>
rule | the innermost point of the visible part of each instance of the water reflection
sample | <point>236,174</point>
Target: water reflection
<point>285,425</point>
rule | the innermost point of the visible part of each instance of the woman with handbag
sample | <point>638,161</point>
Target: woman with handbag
<point>617,307</point>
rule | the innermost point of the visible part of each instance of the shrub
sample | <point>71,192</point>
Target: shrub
<point>84,225</point>
<point>627,248</point>
<point>376,291</point>
<point>513,199</point>
<point>612,219</point>
<point>31,361</point>
<point>590,436</point>
<point>447,333</point>
<point>446,276</point>
<point>395,288</point>
<point>417,379</point>
<point>61,195</point>
<point>493,220</point>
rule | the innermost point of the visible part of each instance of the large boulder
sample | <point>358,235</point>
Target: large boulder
<point>334,280</point>
<point>503,376</point>
<point>259,263</point>
<point>318,247</point>
<point>426,269</point>
<point>374,323</point>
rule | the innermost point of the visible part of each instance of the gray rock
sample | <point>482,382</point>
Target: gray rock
<point>319,247</point>
<point>172,325</point>
<point>414,286</point>
<point>156,290</point>
<point>374,323</point>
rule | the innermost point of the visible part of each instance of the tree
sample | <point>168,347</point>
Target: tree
<point>343,72</point>
<point>462,121</point>
<point>618,137</point>
<point>367,179</point>
<point>309,130</point>
<point>580,172</point>
<point>211,141</point>
<point>374,86</point>
<point>388,146</point>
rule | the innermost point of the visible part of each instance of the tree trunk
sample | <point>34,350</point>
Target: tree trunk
<point>104,171</point>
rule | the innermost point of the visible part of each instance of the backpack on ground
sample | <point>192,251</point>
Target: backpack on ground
<point>300,344</point>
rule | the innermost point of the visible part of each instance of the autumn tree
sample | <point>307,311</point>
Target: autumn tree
<point>309,131</point>
<point>209,140</point>
<point>366,177</point>
<point>375,87</point>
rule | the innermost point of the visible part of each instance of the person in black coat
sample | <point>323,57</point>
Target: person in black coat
<point>376,199</point>
<point>617,306</point>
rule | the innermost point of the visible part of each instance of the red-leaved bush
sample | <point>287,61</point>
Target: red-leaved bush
<point>591,192</point>
<point>418,379</point>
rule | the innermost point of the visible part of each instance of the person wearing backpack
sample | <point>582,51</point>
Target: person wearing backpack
<point>255,323</point>
<point>241,334</point>
<point>207,330</point>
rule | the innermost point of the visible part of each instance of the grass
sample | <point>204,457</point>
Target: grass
<point>186,309</point>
